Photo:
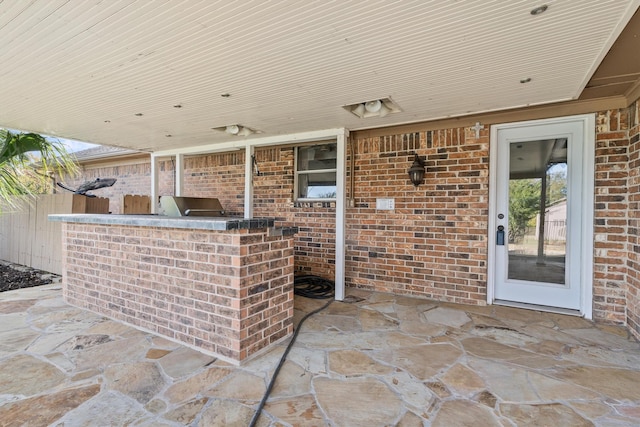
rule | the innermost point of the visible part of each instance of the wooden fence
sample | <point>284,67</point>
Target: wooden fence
<point>27,236</point>
<point>133,204</point>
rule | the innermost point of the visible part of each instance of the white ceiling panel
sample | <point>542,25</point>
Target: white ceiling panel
<point>87,69</point>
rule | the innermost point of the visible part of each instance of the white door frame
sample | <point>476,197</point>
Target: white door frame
<point>587,197</point>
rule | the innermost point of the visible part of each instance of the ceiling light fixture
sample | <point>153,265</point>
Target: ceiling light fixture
<point>232,129</point>
<point>376,108</point>
<point>237,130</point>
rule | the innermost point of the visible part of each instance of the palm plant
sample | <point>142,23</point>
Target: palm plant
<point>26,162</point>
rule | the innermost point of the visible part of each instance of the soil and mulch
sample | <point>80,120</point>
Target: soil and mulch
<point>14,276</point>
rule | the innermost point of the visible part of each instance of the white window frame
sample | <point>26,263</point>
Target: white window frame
<point>297,173</point>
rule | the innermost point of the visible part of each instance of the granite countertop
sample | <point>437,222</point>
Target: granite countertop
<point>190,222</point>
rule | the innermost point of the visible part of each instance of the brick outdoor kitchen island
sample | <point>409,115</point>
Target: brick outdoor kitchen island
<point>221,285</point>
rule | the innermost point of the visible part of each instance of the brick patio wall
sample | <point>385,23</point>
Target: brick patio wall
<point>229,293</point>
<point>222,175</point>
<point>610,215</point>
<point>633,232</point>
<point>434,243</point>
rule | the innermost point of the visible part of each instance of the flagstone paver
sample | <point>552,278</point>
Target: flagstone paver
<point>106,408</point>
<point>301,410</point>
<point>196,384</point>
<point>16,340</point>
<point>240,385</point>
<point>379,360</point>
<point>424,361</point>
<point>293,380</point>
<point>183,361</point>
<point>352,362</point>
<point>621,384</point>
<point>410,420</point>
<point>227,413</point>
<point>466,414</point>
<point>463,380</point>
<point>45,409</point>
<point>141,380</point>
<point>187,413</point>
<point>552,414</point>
<point>26,375</point>
<point>356,401</point>
<point>446,316</point>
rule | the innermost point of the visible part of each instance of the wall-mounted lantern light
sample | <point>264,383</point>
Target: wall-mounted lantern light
<point>416,171</point>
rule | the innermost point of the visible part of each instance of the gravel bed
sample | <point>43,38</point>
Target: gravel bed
<point>15,276</point>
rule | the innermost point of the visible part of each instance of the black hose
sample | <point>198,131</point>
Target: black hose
<point>316,289</point>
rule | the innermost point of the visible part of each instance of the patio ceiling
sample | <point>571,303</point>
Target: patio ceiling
<point>155,75</point>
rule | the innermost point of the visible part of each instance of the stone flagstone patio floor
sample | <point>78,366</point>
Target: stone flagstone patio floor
<point>382,361</point>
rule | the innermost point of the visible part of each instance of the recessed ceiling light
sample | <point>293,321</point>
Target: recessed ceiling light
<point>538,10</point>
<point>527,80</point>
<point>376,108</point>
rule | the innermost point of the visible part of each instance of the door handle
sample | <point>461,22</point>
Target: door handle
<point>500,236</point>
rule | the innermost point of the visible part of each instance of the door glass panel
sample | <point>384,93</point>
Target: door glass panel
<point>537,238</point>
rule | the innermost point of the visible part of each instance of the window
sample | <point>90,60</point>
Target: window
<point>316,172</point>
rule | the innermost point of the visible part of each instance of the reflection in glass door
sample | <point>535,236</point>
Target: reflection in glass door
<point>537,219</point>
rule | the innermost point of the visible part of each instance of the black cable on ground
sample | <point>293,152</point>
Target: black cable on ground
<point>254,420</point>
<point>315,287</point>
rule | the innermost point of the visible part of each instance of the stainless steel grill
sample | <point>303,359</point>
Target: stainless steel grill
<point>190,206</point>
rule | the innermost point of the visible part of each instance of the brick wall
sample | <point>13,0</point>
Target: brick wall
<point>221,175</point>
<point>217,175</point>
<point>132,178</point>
<point>611,205</point>
<point>166,178</point>
<point>273,194</point>
<point>433,244</point>
<point>229,293</point>
<point>633,232</point>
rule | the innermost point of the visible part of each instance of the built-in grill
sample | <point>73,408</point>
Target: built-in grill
<point>190,206</point>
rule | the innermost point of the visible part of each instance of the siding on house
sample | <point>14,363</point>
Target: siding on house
<point>434,243</point>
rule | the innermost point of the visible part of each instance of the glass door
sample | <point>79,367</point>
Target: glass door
<point>538,221</point>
